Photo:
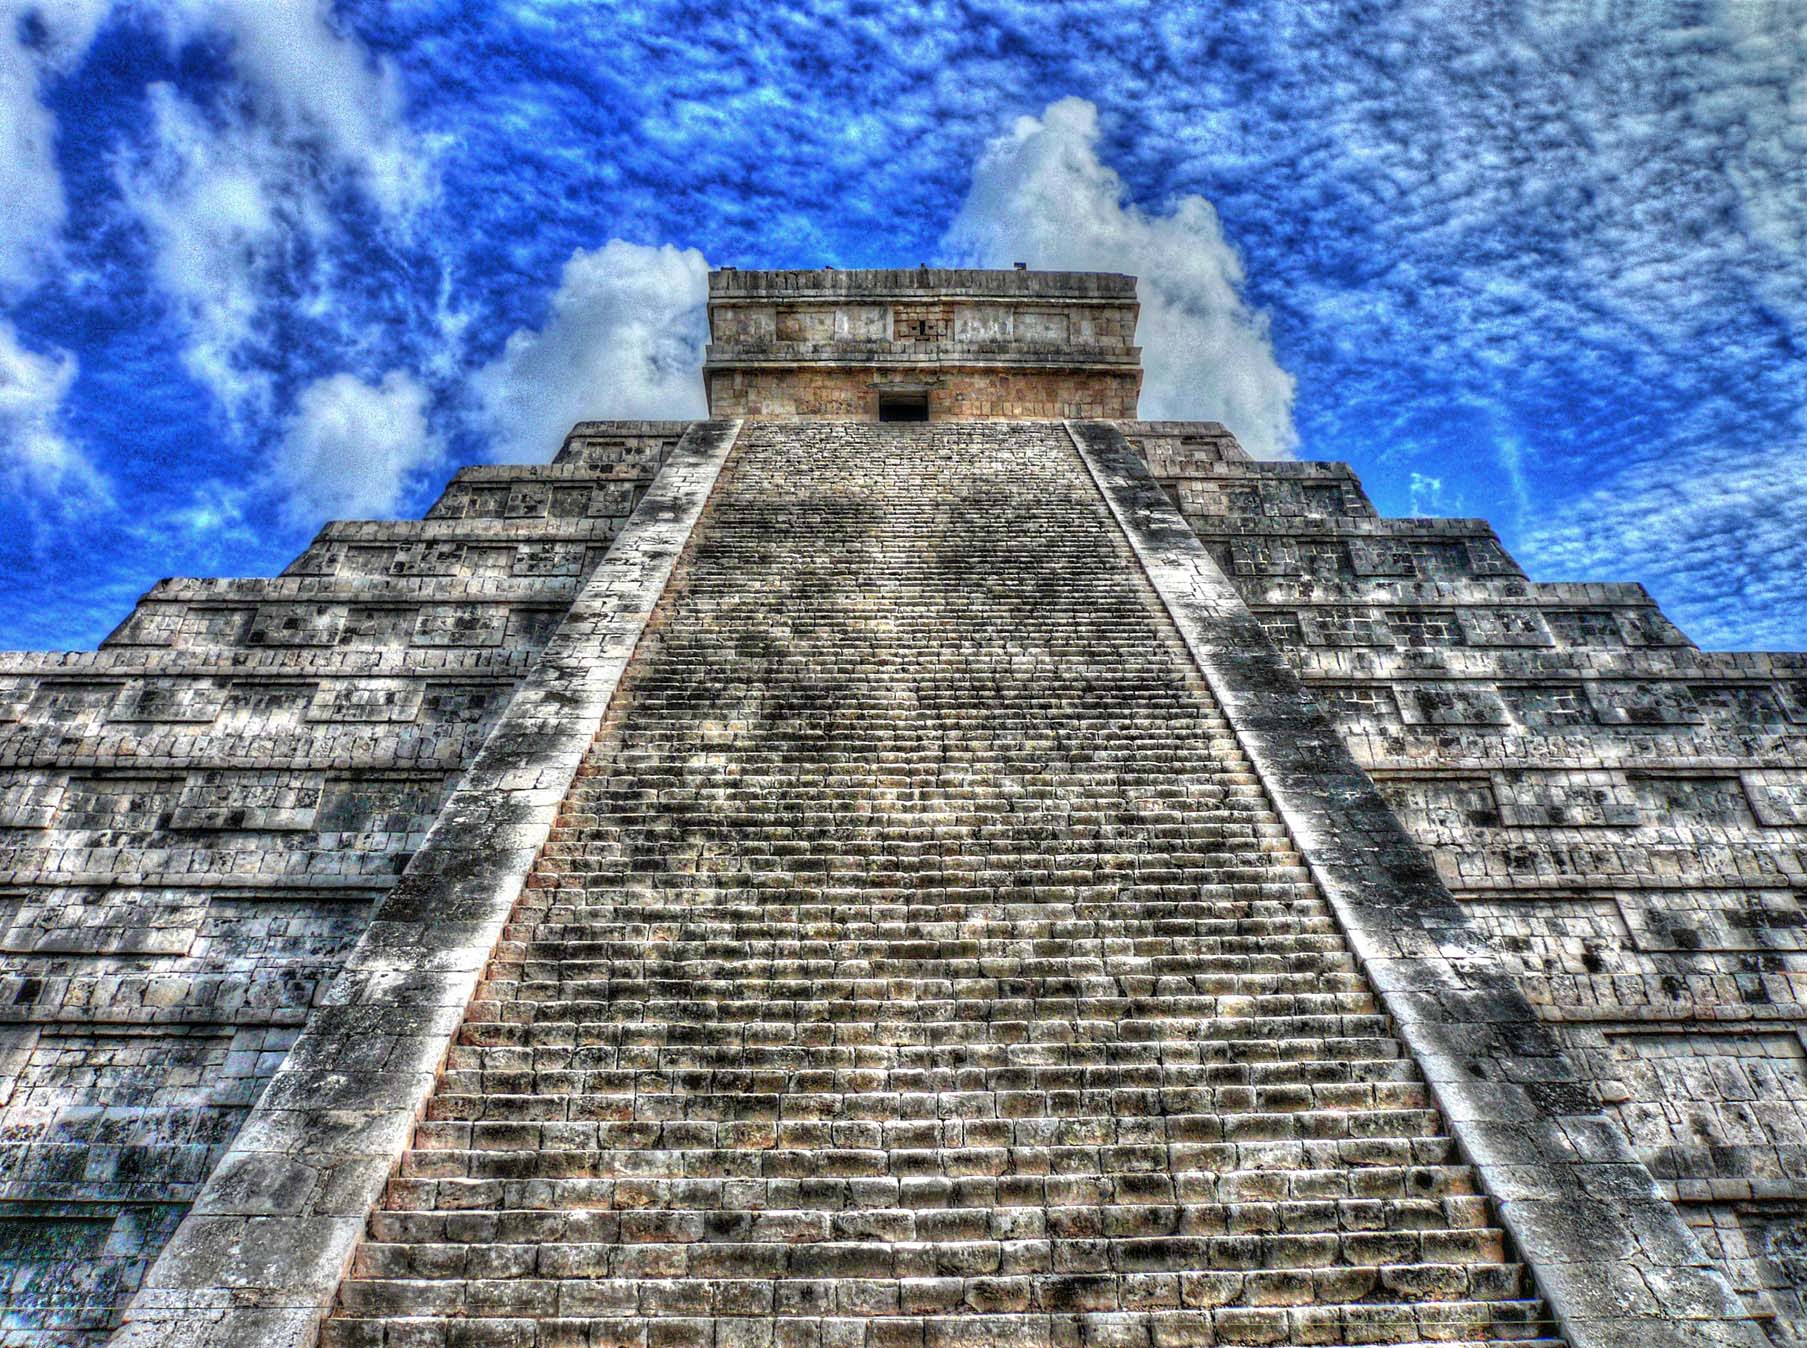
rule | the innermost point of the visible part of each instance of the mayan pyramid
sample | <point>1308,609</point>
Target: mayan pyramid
<point>920,859</point>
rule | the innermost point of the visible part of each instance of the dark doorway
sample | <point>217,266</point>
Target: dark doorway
<point>903,407</point>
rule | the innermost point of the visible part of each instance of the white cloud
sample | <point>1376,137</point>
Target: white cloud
<point>310,82</point>
<point>30,183</point>
<point>34,450</point>
<point>625,338</point>
<point>1665,141</point>
<point>238,196</point>
<point>1555,192</point>
<point>224,213</point>
<point>353,448</point>
<point>1427,496</point>
<point>1041,195</point>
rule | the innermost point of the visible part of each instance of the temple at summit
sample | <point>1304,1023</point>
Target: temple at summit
<point>919,859</point>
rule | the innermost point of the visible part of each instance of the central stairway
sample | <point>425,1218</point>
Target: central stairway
<point>918,961</point>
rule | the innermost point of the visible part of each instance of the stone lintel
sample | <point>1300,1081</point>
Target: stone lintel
<point>260,1256</point>
<point>1610,1255</point>
<point>728,285</point>
<point>926,356</point>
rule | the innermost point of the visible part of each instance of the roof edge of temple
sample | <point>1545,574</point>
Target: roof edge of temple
<point>729,283</point>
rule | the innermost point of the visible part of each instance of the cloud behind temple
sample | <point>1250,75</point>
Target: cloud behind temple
<point>354,448</point>
<point>624,338</point>
<point>1041,194</point>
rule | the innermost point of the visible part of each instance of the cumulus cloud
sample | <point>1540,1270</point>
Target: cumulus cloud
<point>624,338</point>
<point>30,183</point>
<point>238,197</point>
<point>34,451</point>
<point>354,448</point>
<point>1041,195</point>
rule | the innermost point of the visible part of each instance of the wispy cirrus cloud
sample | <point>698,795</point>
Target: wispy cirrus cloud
<point>241,192</point>
<point>1725,536</point>
<point>1523,260</point>
<point>1576,232</point>
<point>36,452</point>
<point>38,43</point>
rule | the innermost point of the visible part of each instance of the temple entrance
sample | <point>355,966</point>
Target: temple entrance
<point>903,407</point>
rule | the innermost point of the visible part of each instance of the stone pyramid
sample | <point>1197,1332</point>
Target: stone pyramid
<point>919,858</point>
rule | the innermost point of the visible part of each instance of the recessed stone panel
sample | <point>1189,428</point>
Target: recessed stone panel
<point>1450,704</point>
<point>30,799</point>
<point>1778,796</point>
<point>1704,1103</point>
<point>1708,920</point>
<point>247,800</point>
<point>461,625</point>
<point>1643,704</point>
<point>386,701</point>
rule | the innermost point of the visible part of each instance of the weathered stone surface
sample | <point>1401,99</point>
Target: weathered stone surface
<point>1614,810</point>
<point>965,345</point>
<point>340,1107</point>
<point>195,822</point>
<point>1600,1244</point>
<point>919,947</point>
<point>962,934</point>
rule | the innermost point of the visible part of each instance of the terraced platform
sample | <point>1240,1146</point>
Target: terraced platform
<point>919,961</point>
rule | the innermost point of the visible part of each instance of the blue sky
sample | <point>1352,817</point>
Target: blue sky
<point>269,262</point>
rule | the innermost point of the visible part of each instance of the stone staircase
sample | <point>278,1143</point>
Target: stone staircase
<point>918,961</point>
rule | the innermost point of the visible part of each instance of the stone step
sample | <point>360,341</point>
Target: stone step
<point>919,961</point>
<point>707,1217</point>
<point>506,1147</point>
<point>552,1096</point>
<point>1249,942</point>
<point>646,1245</point>
<point>652,1022</point>
<point>875,1001</point>
<point>960,1323</point>
<point>603,1071</point>
<point>656,969</point>
<point>579,1121</point>
<point>1302,1182</point>
<point>749,1152</point>
<point>878,904</point>
<point>703,1280</point>
<point>826,1045</point>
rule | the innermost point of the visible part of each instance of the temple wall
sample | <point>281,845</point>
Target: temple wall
<point>852,393</point>
<point>1624,814</point>
<point>983,345</point>
<point>197,819</point>
<point>923,323</point>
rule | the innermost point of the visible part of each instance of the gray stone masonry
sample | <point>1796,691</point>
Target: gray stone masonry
<point>1610,1253</point>
<point>973,344</point>
<point>1618,812</point>
<point>273,1228</point>
<point>966,930</point>
<point>196,820</point>
<point>920,962</point>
